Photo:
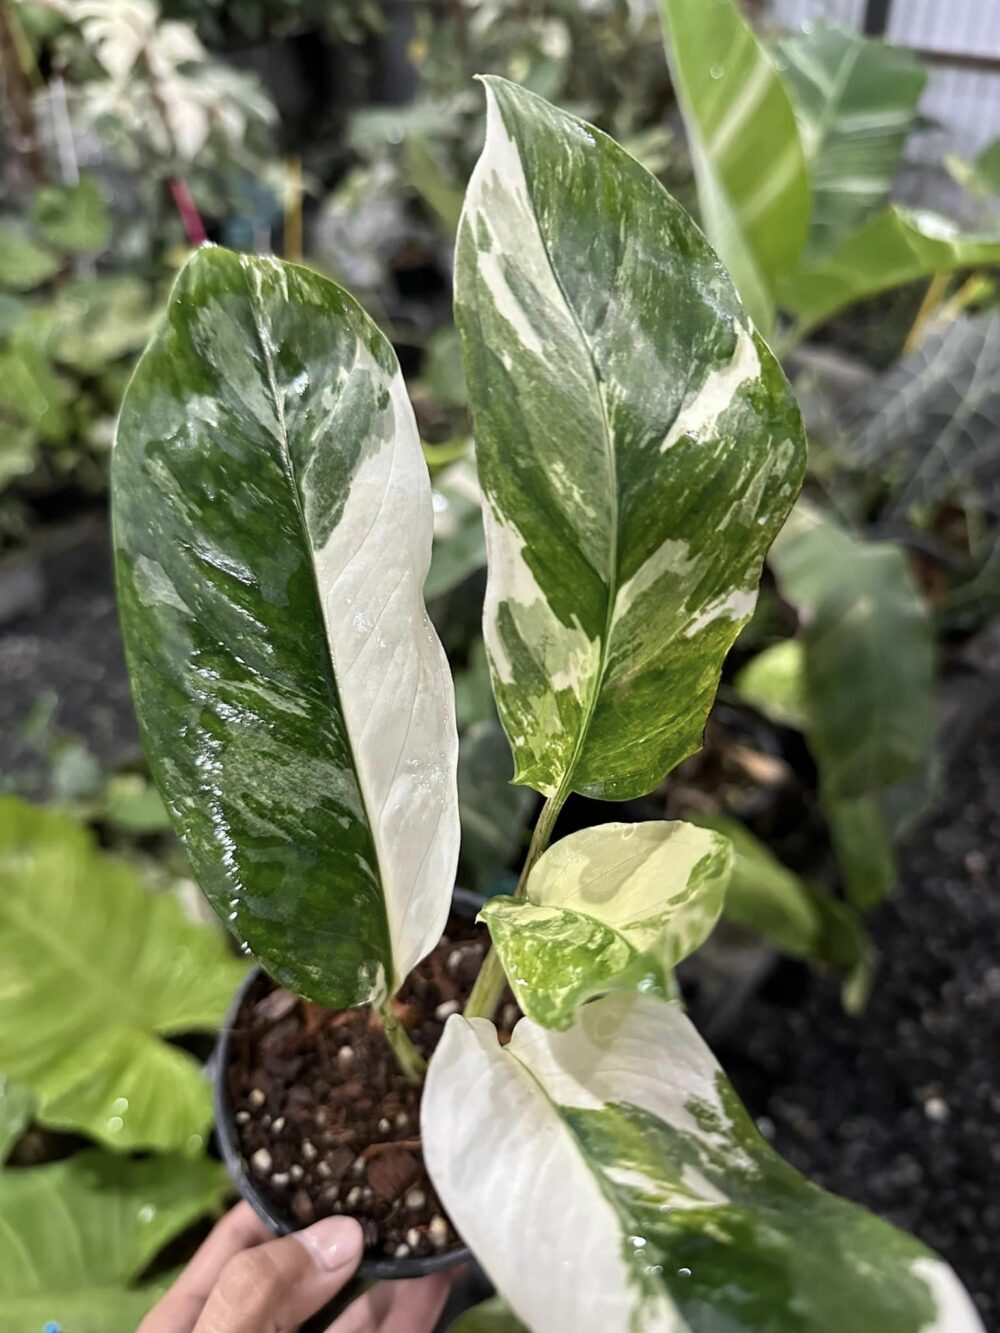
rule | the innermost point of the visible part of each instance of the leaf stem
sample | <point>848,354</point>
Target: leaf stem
<point>490,982</point>
<point>409,1059</point>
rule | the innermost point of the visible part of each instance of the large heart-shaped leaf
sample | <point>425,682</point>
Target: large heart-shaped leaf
<point>868,653</point>
<point>855,100</point>
<point>77,1235</point>
<point>94,972</point>
<point>608,1178</point>
<point>615,907</point>
<point>273,531</point>
<point>744,144</point>
<point>638,448</point>
<point>897,246</point>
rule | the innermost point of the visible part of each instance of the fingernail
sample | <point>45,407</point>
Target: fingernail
<point>335,1242</point>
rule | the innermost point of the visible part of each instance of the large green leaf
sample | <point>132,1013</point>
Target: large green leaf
<point>899,245</point>
<point>76,1235</point>
<point>608,1178</point>
<point>273,530</point>
<point>17,1105</point>
<point>744,143</point>
<point>73,217</point>
<point>94,972</point>
<point>615,907</point>
<point>855,100</point>
<point>869,653</point>
<point>638,448</point>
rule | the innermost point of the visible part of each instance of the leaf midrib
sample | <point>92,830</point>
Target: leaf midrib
<point>331,686</point>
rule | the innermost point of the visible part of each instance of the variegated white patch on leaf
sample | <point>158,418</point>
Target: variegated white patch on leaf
<point>609,1180</point>
<point>273,530</point>
<point>614,907</point>
<point>638,448</point>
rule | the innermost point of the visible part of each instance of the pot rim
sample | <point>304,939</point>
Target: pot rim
<point>466,903</point>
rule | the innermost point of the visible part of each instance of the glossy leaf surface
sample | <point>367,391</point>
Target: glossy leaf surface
<point>94,971</point>
<point>896,247</point>
<point>855,101</point>
<point>273,532</point>
<point>621,1185</point>
<point>869,653</point>
<point>748,161</point>
<point>614,907</point>
<point>638,448</point>
<point>77,1235</point>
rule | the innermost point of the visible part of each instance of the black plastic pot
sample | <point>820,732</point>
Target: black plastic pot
<point>464,904</point>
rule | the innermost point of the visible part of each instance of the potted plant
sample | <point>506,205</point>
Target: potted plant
<point>638,449</point>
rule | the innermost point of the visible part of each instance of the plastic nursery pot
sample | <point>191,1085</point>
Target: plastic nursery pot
<point>465,905</point>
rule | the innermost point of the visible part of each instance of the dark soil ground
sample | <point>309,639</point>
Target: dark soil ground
<point>326,1121</point>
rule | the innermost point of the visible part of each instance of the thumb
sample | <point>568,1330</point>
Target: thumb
<point>279,1285</point>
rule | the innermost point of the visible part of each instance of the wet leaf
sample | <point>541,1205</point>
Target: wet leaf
<point>620,1183</point>
<point>638,447</point>
<point>273,531</point>
<point>78,1235</point>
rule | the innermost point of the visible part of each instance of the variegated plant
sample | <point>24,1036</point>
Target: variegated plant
<point>638,448</point>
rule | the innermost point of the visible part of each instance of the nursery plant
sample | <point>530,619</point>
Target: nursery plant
<point>807,229</point>
<point>638,450</point>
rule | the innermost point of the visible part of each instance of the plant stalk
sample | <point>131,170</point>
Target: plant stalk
<point>489,984</point>
<point>409,1059</point>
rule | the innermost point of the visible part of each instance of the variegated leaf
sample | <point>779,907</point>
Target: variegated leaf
<point>855,101</point>
<point>609,1181</point>
<point>748,161</point>
<point>615,907</point>
<point>638,448</point>
<point>273,532</point>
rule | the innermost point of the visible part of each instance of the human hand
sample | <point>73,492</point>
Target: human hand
<point>242,1280</point>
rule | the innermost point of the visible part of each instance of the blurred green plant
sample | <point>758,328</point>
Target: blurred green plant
<point>794,155</point>
<point>97,974</point>
<point>80,1234</point>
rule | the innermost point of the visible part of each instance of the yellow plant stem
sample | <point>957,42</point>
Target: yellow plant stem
<point>933,297</point>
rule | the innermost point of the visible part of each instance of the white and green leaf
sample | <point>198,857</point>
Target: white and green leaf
<point>94,972</point>
<point>609,1181</point>
<point>78,1235</point>
<point>614,907</point>
<point>273,532</point>
<point>638,448</point>
<point>855,100</point>
<point>748,161</point>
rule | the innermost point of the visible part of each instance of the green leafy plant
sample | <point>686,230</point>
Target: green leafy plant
<point>97,972</point>
<point>805,231</point>
<point>80,1234</point>
<point>638,450</point>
